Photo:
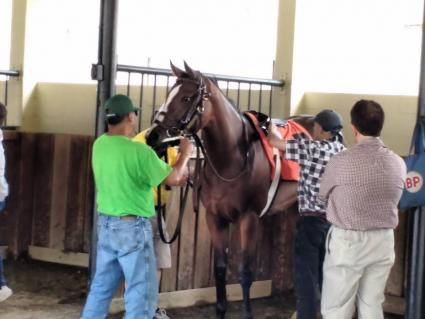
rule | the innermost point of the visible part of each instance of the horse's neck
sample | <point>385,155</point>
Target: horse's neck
<point>225,136</point>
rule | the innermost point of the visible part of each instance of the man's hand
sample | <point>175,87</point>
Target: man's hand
<point>179,174</point>
<point>274,137</point>
<point>186,147</point>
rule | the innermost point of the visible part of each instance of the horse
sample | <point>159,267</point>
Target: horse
<point>236,176</point>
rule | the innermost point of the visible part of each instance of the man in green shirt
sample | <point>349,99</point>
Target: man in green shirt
<point>125,172</point>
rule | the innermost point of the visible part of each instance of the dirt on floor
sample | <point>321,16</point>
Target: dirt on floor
<point>50,291</point>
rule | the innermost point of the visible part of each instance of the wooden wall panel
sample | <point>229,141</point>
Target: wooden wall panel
<point>264,249</point>
<point>186,248</point>
<point>281,258</point>
<point>43,178</point>
<point>25,194</point>
<point>169,276</point>
<point>396,281</point>
<point>203,252</point>
<point>51,200</point>
<point>60,192</point>
<point>9,220</point>
<point>76,208</point>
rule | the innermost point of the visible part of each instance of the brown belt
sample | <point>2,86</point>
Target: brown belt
<point>128,217</point>
<point>312,213</point>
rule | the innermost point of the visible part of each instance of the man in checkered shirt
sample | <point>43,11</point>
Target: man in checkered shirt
<point>312,226</point>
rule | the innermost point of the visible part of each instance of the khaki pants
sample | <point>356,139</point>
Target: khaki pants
<point>162,250</point>
<point>356,268</point>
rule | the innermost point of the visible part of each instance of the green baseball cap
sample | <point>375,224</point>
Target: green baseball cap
<point>119,105</point>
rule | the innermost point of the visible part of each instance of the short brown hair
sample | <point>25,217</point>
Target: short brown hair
<point>3,113</point>
<point>368,117</point>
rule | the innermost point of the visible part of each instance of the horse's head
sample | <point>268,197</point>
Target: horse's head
<point>185,111</point>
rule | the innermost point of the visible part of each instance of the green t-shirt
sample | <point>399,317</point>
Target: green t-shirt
<point>125,172</point>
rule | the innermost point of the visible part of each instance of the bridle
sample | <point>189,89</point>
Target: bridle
<point>196,109</point>
<point>184,129</point>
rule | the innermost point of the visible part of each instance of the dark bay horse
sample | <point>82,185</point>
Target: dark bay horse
<point>236,176</point>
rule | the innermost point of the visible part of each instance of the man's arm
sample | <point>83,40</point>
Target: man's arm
<point>179,174</point>
<point>328,182</point>
<point>275,139</point>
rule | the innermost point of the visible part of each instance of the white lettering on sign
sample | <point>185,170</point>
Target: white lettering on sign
<point>414,182</point>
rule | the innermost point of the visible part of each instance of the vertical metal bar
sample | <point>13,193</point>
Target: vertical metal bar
<point>239,93</point>
<point>6,89</point>
<point>6,84</point>
<point>227,88</point>
<point>271,102</point>
<point>249,97</point>
<point>105,89</point>
<point>128,83</point>
<point>260,97</point>
<point>141,101</point>
<point>416,285</point>
<point>421,100</point>
<point>153,98</point>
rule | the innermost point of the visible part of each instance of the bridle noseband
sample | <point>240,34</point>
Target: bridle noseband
<point>182,128</point>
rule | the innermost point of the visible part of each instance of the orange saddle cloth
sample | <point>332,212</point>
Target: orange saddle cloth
<point>290,170</point>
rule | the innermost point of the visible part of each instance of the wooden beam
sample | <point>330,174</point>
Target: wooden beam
<point>59,257</point>
<point>394,305</point>
<point>201,296</point>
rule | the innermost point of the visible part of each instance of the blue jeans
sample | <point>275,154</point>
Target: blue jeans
<point>124,251</point>
<point>2,278</point>
<point>309,254</point>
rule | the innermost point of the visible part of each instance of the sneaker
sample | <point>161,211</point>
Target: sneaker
<point>161,314</point>
<point>5,292</point>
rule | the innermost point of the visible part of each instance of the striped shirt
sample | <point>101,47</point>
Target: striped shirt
<point>312,157</point>
<point>362,187</point>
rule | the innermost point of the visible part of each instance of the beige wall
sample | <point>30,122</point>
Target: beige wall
<point>284,57</point>
<point>400,115</point>
<point>61,108</point>
<point>70,108</point>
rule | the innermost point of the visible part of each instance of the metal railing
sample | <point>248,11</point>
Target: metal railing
<point>5,75</point>
<point>246,93</point>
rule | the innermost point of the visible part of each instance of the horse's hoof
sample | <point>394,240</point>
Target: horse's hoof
<point>247,314</point>
<point>220,315</point>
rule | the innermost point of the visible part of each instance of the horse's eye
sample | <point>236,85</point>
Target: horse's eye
<point>186,99</point>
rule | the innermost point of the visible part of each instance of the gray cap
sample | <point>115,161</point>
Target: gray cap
<point>329,120</point>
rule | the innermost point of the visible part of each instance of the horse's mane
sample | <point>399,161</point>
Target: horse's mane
<point>200,77</point>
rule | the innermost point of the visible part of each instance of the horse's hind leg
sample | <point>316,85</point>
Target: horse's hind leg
<point>220,238</point>
<point>248,230</point>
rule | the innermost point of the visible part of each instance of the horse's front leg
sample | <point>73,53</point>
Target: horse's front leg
<point>248,230</point>
<point>220,238</point>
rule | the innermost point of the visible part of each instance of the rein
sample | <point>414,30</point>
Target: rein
<point>161,215</point>
<point>195,110</point>
<point>200,145</point>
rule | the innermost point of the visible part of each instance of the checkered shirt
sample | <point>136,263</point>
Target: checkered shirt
<point>312,156</point>
<point>362,187</point>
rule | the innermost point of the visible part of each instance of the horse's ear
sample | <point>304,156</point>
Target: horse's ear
<point>176,71</point>
<point>192,73</point>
